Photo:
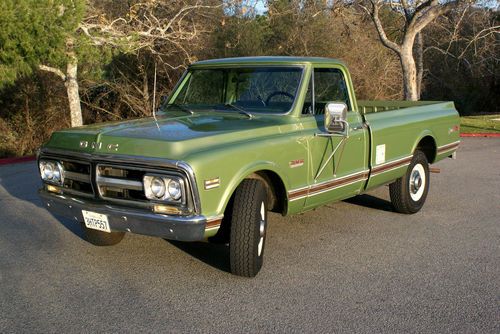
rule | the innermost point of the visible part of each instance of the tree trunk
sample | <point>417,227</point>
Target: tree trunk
<point>409,67</point>
<point>71,83</point>
<point>419,58</point>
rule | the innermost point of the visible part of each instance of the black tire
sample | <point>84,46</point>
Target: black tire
<point>248,228</point>
<point>100,238</point>
<point>409,192</point>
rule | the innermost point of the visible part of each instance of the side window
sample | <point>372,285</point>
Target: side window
<point>329,85</point>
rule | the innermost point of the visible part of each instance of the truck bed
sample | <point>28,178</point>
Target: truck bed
<point>368,107</point>
<point>397,126</point>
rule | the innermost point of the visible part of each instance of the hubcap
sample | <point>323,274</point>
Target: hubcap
<point>262,227</point>
<point>417,182</point>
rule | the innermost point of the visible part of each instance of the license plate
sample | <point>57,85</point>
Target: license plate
<point>96,221</point>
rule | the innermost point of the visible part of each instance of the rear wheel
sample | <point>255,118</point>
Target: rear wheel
<point>100,238</point>
<point>248,228</point>
<point>409,192</point>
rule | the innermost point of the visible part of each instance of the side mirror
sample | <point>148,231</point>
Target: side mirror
<point>335,117</point>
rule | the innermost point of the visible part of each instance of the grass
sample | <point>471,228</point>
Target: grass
<point>480,124</point>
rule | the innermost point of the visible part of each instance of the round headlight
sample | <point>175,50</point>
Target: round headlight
<point>47,170</point>
<point>157,187</point>
<point>51,171</point>
<point>174,189</point>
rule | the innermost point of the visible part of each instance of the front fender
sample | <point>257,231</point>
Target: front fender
<point>243,173</point>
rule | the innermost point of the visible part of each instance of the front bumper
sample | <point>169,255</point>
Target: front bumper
<point>125,219</point>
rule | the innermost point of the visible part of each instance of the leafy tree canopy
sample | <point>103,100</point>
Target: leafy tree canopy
<point>34,32</point>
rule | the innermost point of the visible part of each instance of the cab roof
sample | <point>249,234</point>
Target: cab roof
<point>275,60</point>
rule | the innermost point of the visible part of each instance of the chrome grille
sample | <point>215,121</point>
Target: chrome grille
<point>120,183</point>
<point>117,178</point>
<point>77,177</point>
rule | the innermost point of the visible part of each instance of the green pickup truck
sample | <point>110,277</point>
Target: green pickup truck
<point>237,138</point>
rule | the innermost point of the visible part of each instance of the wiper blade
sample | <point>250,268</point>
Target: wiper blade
<point>181,107</point>
<point>240,110</point>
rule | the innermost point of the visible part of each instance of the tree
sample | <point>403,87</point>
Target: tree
<point>149,35</point>
<point>54,34</point>
<point>39,34</point>
<point>416,14</point>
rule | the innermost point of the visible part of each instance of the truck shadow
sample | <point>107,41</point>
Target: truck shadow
<point>215,255</point>
<point>19,184</point>
<point>372,202</point>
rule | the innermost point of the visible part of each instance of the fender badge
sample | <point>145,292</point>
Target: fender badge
<point>296,163</point>
<point>212,183</point>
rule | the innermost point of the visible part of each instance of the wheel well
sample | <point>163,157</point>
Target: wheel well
<point>428,146</point>
<point>276,193</point>
<point>276,201</point>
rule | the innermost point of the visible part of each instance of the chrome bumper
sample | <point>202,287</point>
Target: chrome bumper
<point>183,228</point>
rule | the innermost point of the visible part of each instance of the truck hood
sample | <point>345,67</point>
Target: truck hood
<point>169,136</point>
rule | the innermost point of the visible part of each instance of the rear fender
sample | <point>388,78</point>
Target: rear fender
<point>424,134</point>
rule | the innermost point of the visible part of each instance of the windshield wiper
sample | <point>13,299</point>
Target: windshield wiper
<point>240,110</point>
<point>181,107</point>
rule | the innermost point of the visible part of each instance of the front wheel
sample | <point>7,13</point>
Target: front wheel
<point>409,192</point>
<point>248,228</point>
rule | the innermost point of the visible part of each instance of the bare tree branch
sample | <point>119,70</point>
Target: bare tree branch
<point>54,70</point>
<point>374,13</point>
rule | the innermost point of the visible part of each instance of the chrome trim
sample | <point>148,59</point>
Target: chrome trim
<point>450,144</point>
<point>115,182</point>
<point>392,161</point>
<point>328,189</point>
<point>311,191</point>
<point>77,176</point>
<point>339,178</point>
<point>137,160</point>
<point>70,191</point>
<point>390,169</point>
<point>149,203</point>
<point>183,200</point>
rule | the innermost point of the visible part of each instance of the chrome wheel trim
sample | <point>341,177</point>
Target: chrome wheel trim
<point>417,182</point>
<point>262,228</point>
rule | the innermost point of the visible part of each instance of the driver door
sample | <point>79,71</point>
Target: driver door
<point>337,164</point>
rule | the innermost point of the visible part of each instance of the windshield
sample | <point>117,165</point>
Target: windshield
<point>248,89</point>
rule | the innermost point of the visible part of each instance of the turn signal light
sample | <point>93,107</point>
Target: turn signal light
<point>53,189</point>
<point>166,209</point>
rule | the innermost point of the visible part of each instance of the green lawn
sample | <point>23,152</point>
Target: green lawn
<point>480,124</point>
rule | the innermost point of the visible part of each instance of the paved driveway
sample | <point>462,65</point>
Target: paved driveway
<point>353,266</point>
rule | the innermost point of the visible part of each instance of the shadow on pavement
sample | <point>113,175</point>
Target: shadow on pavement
<point>21,181</point>
<point>73,226</point>
<point>215,255</point>
<point>371,202</point>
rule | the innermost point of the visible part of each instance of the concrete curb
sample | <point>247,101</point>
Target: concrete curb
<point>8,161</point>
<point>489,135</point>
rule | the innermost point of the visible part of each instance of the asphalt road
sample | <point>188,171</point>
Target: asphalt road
<point>352,266</point>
